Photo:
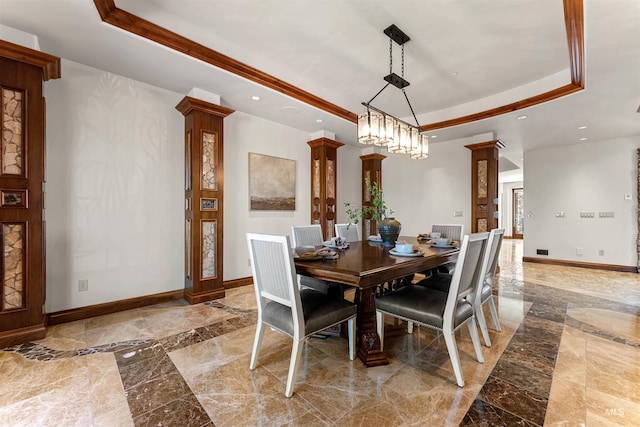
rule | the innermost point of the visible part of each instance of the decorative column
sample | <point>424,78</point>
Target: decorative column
<point>484,185</point>
<point>324,162</point>
<point>371,170</point>
<point>22,187</point>
<point>204,191</point>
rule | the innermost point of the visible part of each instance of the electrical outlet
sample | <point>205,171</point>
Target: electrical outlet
<point>601,252</point>
<point>605,214</point>
<point>542,251</point>
<point>587,214</point>
<point>457,213</point>
<point>83,285</point>
<point>579,251</point>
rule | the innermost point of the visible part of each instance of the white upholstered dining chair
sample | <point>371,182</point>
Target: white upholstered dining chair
<point>348,231</point>
<point>442,311</point>
<point>484,293</point>
<point>287,309</point>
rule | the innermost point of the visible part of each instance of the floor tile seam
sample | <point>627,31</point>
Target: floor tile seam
<point>512,383</point>
<point>498,405</point>
<point>592,330</point>
<point>156,376</point>
<point>170,402</point>
<point>503,410</point>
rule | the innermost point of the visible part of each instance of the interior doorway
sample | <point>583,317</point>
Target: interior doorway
<point>517,201</point>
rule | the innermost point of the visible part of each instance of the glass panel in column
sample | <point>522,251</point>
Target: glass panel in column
<point>482,178</point>
<point>367,195</point>
<point>482,225</point>
<point>12,132</point>
<point>331,184</point>
<point>187,162</point>
<point>13,261</point>
<point>187,248</point>
<point>209,179</point>
<point>208,244</point>
<point>13,199</point>
<point>316,178</point>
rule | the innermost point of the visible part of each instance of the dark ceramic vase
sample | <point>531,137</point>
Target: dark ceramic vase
<point>389,229</point>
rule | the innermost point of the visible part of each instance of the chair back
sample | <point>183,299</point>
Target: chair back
<point>274,274</point>
<point>466,277</point>
<point>348,231</point>
<point>307,235</point>
<point>490,261</point>
<point>449,231</point>
<point>493,254</point>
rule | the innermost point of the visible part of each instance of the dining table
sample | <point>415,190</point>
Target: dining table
<point>369,266</point>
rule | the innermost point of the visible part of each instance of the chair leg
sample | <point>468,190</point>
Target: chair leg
<point>351,331</point>
<point>494,314</point>
<point>380,328</point>
<point>410,327</point>
<point>473,330</point>
<point>482,322</point>
<point>452,348</point>
<point>296,354</point>
<point>256,345</point>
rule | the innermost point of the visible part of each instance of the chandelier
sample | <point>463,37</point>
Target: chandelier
<point>379,128</point>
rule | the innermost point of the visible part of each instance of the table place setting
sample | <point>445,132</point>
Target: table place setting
<point>336,243</point>
<point>310,253</point>
<point>435,240</point>
<point>406,249</point>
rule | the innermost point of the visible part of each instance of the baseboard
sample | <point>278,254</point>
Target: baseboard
<point>22,335</point>
<point>609,267</point>
<point>237,283</point>
<point>111,307</point>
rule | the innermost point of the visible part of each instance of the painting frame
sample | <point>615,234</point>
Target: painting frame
<point>272,183</point>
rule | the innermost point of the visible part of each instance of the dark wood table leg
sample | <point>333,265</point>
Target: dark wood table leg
<point>367,339</point>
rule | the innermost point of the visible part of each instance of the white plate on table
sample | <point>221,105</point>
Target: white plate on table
<point>433,245</point>
<point>375,239</point>
<point>416,252</point>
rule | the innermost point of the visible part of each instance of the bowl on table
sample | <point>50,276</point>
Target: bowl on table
<point>435,235</point>
<point>404,248</point>
<point>443,241</point>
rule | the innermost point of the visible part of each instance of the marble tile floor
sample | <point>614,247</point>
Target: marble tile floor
<point>568,355</point>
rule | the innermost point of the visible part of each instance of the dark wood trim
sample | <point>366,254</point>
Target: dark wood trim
<point>22,335</point>
<point>124,20</point>
<point>50,64</point>
<point>574,23</point>
<point>374,156</point>
<point>238,283</point>
<point>483,145</point>
<point>189,104</point>
<point>80,313</point>
<point>203,296</point>
<point>324,142</point>
<point>609,267</point>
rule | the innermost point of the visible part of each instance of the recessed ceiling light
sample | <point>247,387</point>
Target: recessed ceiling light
<point>521,117</point>
<point>581,127</point>
<point>583,139</point>
<point>433,136</point>
<point>455,73</point>
<point>255,98</point>
<point>319,120</point>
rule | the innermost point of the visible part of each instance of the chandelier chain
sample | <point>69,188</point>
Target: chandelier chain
<point>390,56</point>
<point>402,61</point>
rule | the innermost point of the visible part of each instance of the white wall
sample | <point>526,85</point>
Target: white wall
<point>427,192</point>
<point>115,187</point>
<point>586,177</point>
<point>114,192</point>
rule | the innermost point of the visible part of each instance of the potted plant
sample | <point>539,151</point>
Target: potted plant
<point>388,227</point>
